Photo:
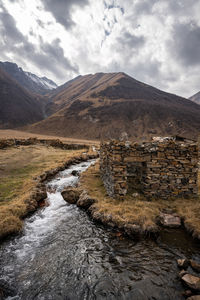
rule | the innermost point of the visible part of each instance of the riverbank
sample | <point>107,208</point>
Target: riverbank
<point>134,215</point>
<point>23,170</point>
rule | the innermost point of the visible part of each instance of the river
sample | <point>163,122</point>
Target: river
<point>62,254</point>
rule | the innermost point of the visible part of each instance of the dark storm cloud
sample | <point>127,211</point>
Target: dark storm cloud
<point>47,56</point>
<point>185,43</point>
<point>61,10</point>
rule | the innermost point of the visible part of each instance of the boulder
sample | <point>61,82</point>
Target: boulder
<point>195,266</point>
<point>85,201</point>
<point>169,220</point>
<point>71,195</point>
<point>192,281</point>
<point>183,263</point>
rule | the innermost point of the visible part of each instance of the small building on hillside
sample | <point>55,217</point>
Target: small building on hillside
<point>163,167</point>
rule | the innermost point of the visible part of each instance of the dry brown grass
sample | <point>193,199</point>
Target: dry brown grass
<point>18,166</point>
<point>9,134</point>
<point>137,210</point>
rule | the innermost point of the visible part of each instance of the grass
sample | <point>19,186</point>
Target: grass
<point>138,210</point>
<point>9,134</point>
<point>18,167</point>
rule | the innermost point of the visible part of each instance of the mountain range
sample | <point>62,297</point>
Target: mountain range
<point>105,105</point>
<point>30,81</point>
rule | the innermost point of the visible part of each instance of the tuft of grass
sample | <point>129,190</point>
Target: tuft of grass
<point>137,210</point>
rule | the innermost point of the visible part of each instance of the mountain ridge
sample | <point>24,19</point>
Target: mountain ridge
<point>28,80</point>
<point>102,105</point>
<point>18,107</point>
<point>195,98</point>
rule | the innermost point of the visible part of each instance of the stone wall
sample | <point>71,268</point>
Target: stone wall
<point>162,168</point>
<point>5,143</point>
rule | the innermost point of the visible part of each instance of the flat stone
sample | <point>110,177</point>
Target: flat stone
<point>192,281</point>
<point>170,220</point>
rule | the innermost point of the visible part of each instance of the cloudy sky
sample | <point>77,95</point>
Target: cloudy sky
<point>154,41</point>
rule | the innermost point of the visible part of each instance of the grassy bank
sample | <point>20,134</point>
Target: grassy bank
<point>18,167</point>
<point>137,210</point>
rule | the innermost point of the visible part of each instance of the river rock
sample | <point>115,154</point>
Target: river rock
<point>85,201</point>
<point>192,281</point>
<point>183,263</point>
<point>195,266</point>
<point>71,195</point>
<point>75,173</point>
<point>169,220</point>
<point>182,273</point>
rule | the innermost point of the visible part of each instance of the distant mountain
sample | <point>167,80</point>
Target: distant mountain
<point>18,107</point>
<point>33,83</point>
<point>104,105</point>
<point>196,98</point>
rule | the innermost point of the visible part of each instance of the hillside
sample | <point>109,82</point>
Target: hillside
<point>196,98</point>
<point>30,81</point>
<point>17,106</point>
<point>105,105</point>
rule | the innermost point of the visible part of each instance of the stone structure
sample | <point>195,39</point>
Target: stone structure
<point>164,167</point>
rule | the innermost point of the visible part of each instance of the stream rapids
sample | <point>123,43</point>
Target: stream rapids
<point>63,255</point>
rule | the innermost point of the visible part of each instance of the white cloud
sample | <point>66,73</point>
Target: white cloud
<point>137,37</point>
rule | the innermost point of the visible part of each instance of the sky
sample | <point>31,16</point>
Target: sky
<point>154,41</point>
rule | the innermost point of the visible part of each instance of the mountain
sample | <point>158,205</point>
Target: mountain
<point>196,98</point>
<point>104,105</point>
<point>33,83</point>
<point>17,106</point>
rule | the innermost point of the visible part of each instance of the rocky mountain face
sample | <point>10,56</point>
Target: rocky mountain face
<point>196,98</point>
<point>33,83</point>
<point>106,105</point>
<point>18,107</point>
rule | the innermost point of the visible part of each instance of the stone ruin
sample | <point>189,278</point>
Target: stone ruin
<point>164,168</point>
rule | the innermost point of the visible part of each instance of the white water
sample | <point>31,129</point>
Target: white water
<point>43,223</point>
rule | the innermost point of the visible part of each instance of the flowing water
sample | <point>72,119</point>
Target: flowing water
<point>62,254</point>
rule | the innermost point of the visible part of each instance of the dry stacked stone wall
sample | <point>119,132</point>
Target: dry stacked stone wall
<point>162,168</point>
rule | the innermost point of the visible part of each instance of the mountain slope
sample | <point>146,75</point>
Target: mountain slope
<point>105,105</point>
<point>33,83</point>
<point>17,106</point>
<point>196,98</point>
